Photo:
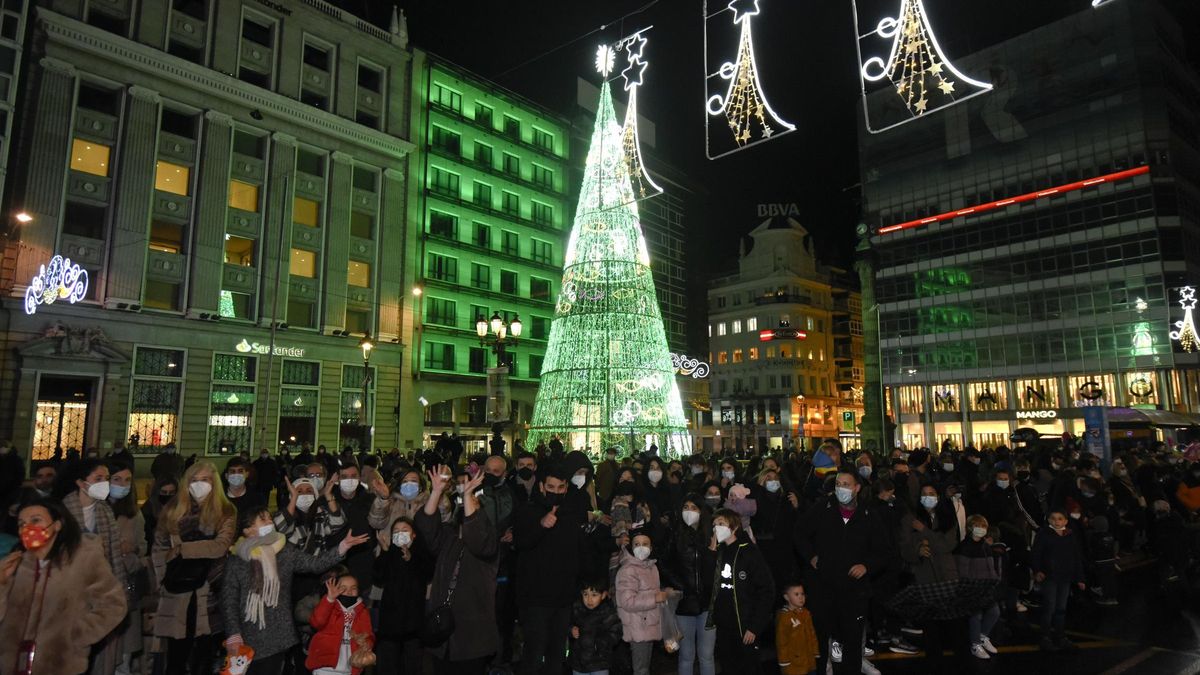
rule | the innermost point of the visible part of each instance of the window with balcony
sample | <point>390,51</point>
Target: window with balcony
<point>512,164</point>
<point>721,329</point>
<point>310,162</point>
<point>477,361</point>
<point>84,220</point>
<point>439,356</point>
<point>736,327</point>
<point>737,356</point>
<point>751,325</point>
<point>510,243</point>
<point>482,194</point>
<point>316,56</point>
<point>512,127</point>
<point>301,313</point>
<point>483,154</point>
<point>162,295</point>
<point>539,328</point>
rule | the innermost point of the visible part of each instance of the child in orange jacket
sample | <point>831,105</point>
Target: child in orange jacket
<point>795,639</point>
<point>338,620</point>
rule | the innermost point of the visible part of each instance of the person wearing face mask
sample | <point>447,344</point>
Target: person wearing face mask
<point>161,493</point>
<point>88,505</point>
<point>713,495</point>
<point>524,480</point>
<point>256,595</point>
<point>844,540</point>
<point>638,595</point>
<point>406,496</point>
<point>56,591</point>
<point>729,473</point>
<point>1129,505</point>
<point>266,475</point>
<point>343,630</point>
<point>132,553</point>
<point>775,524</point>
<point>403,572</point>
<point>497,502</point>
<point>311,520</point>
<point>743,597</point>
<point>928,538</point>
<point>195,531</point>
<point>238,492</point>
<point>1057,562</point>
<point>355,501</point>
<point>974,560</point>
<point>688,569</point>
<point>660,494</point>
<point>547,537</point>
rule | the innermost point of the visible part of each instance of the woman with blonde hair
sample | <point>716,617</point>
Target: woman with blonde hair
<point>194,534</point>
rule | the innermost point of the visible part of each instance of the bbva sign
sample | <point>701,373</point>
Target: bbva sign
<point>772,210</point>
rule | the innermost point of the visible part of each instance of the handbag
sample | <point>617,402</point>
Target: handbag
<point>185,575</point>
<point>361,656</point>
<point>439,623</point>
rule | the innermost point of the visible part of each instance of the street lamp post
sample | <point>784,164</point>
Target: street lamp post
<point>366,345</point>
<point>498,334</point>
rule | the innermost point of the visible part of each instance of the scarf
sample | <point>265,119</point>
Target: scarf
<point>260,552</point>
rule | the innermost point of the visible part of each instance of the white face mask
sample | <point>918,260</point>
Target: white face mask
<point>722,533</point>
<point>236,479</point>
<point>305,502</point>
<point>772,486</point>
<point>654,475</point>
<point>690,518</point>
<point>348,485</point>
<point>641,552</point>
<point>864,471</point>
<point>929,501</point>
<point>948,467</point>
<point>979,532</point>
<point>317,483</point>
<point>1002,484</point>
<point>266,529</point>
<point>728,475</point>
<point>402,538</point>
<point>578,481</point>
<point>98,490</point>
<point>199,490</point>
<point>844,495</point>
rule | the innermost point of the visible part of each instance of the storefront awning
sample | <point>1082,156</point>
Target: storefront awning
<point>1157,418</point>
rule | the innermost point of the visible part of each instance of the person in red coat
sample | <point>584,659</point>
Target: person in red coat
<point>338,620</point>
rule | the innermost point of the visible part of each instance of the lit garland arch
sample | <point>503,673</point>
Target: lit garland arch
<point>607,379</point>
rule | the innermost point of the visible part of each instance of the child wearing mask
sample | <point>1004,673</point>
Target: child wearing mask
<point>795,638</point>
<point>743,595</point>
<point>343,629</point>
<point>596,630</point>
<point>975,559</point>
<point>256,598</point>
<point>403,571</point>
<point>638,597</point>
<point>1057,563</point>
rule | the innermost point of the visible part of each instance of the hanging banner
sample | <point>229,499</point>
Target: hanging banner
<point>905,74</point>
<point>499,395</point>
<point>737,114</point>
<point>1095,435</point>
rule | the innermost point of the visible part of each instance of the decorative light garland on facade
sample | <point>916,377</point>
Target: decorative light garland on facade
<point>687,366</point>
<point>1185,333</point>
<point>915,66</point>
<point>743,102</point>
<point>608,378</point>
<point>60,279</point>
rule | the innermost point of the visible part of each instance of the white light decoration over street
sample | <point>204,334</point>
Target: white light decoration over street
<point>606,59</point>
<point>60,279</point>
<point>734,89</point>
<point>634,73</point>
<point>915,67</point>
<point>1185,333</point>
<point>688,366</point>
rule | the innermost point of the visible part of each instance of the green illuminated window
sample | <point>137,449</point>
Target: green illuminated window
<point>512,164</point>
<point>482,236</point>
<point>483,115</point>
<point>539,251</point>
<point>535,365</point>
<point>443,181</point>
<point>542,214</point>
<point>482,194</point>
<point>543,176</point>
<point>483,154</point>
<point>439,356</point>
<point>543,139</point>
<point>444,97</point>
<point>477,360</point>
<point>481,276</point>
<point>512,127</point>
<point>442,268</point>
<point>539,289</point>
<point>441,312</point>
<point>512,203</point>
<point>539,328</point>
<point>447,140</point>
<point>510,243</point>
<point>443,225</point>
<point>508,282</point>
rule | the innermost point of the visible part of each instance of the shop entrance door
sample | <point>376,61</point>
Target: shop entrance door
<point>62,415</point>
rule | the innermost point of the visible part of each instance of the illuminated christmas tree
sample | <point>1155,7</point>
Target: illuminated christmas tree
<point>607,379</point>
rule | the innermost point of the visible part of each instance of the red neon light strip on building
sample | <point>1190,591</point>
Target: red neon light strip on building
<point>1032,196</point>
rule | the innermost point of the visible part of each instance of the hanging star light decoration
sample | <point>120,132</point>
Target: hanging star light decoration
<point>915,67</point>
<point>744,104</point>
<point>1185,334</point>
<point>634,47</point>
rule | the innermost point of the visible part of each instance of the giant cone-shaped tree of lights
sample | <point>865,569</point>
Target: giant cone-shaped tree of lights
<point>607,379</point>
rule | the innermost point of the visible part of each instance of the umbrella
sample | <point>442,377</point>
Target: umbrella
<point>950,599</point>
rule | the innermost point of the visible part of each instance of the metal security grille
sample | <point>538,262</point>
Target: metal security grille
<point>59,426</point>
<point>231,405</point>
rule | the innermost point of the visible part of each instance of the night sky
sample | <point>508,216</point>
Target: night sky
<point>807,61</point>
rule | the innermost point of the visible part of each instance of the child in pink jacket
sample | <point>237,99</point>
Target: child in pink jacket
<point>638,597</point>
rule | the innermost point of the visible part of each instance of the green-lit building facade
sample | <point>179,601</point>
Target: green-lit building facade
<point>491,205</point>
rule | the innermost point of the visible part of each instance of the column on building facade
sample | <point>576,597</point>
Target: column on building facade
<point>134,198</point>
<point>277,230</point>
<point>49,152</point>
<point>151,24</point>
<point>964,406</point>
<point>926,393</point>
<point>337,246</point>
<point>392,291</point>
<point>213,194</point>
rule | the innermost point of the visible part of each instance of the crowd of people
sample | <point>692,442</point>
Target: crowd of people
<point>793,562</point>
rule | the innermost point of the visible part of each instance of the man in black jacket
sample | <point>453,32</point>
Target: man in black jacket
<point>845,543</point>
<point>546,537</point>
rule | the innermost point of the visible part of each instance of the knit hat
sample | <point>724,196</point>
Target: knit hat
<point>823,464</point>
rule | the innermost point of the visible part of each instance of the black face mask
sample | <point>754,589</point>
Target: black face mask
<point>347,601</point>
<point>1022,475</point>
<point>165,499</point>
<point>525,473</point>
<point>490,480</point>
<point>552,499</point>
